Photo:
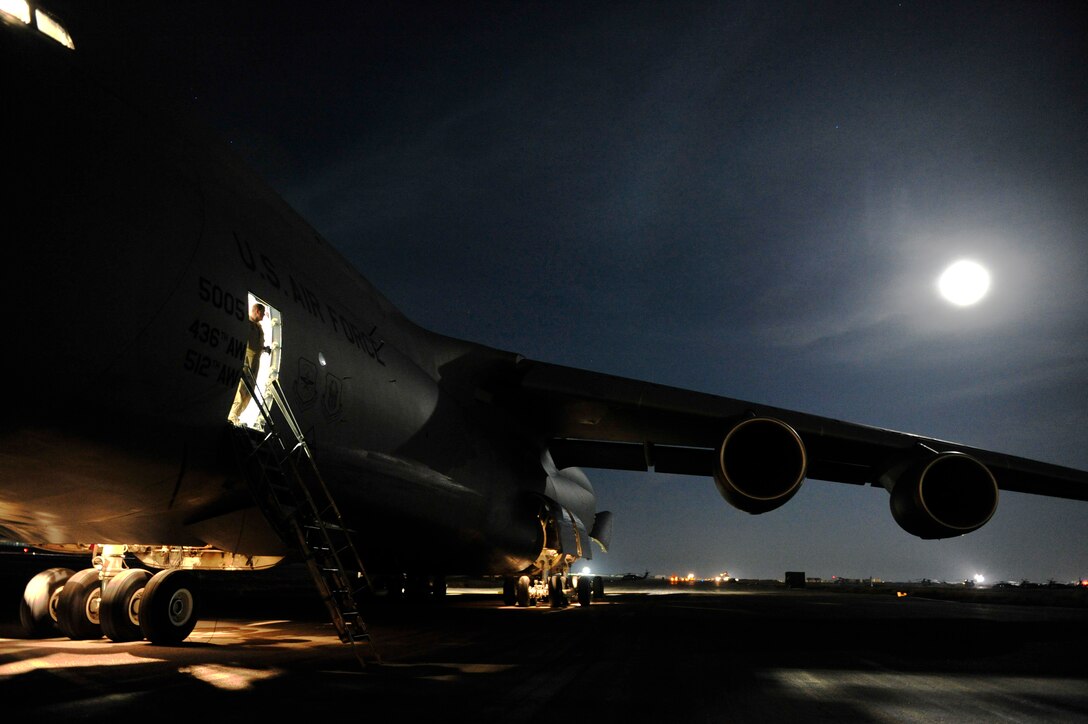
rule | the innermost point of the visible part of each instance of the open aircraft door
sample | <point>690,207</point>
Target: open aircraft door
<point>269,370</point>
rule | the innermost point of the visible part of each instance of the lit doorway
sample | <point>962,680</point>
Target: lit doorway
<point>269,365</point>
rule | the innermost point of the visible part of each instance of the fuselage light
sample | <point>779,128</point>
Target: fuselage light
<point>50,27</point>
<point>17,9</point>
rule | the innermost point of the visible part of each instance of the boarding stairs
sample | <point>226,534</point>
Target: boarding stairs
<point>280,468</point>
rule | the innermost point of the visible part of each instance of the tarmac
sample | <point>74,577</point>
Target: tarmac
<point>720,654</point>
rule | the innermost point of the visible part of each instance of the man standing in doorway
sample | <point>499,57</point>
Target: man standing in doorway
<point>254,347</point>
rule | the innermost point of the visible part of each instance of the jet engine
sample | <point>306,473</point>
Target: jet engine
<point>941,495</point>
<point>760,464</point>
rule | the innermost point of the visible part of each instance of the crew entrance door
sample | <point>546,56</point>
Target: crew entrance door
<point>263,355</point>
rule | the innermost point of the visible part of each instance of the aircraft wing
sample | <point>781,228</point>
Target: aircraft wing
<point>598,420</point>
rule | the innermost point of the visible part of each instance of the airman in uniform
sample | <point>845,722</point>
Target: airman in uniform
<point>254,348</point>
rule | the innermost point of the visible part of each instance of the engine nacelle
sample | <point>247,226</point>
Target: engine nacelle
<point>760,464</point>
<point>941,495</point>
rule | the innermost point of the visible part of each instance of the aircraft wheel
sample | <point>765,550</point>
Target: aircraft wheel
<point>509,591</point>
<point>38,609</point>
<point>169,607</point>
<point>438,587</point>
<point>394,587</point>
<point>598,587</point>
<point>417,587</point>
<point>522,593</point>
<point>585,591</point>
<point>78,606</point>
<point>121,605</point>
<point>556,596</point>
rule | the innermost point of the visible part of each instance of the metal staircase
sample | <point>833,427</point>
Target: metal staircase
<point>289,489</point>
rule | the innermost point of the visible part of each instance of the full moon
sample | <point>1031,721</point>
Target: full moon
<point>964,283</point>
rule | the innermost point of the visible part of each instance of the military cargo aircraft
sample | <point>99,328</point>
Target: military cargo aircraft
<point>155,282</point>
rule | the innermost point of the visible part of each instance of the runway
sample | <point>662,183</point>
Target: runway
<point>738,655</point>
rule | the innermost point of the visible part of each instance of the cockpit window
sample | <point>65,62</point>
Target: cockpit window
<point>44,22</point>
<point>53,29</point>
<point>17,9</point>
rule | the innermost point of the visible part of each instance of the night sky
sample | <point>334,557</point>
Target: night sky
<point>748,199</point>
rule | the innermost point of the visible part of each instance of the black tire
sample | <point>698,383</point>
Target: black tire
<point>78,606</point>
<point>598,587</point>
<point>37,610</point>
<point>523,592</point>
<point>169,608</point>
<point>438,587</point>
<point>557,597</point>
<point>509,591</point>
<point>585,590</point>
<point>121,601</point>
<point>394,587</point>
<point>417,588</point>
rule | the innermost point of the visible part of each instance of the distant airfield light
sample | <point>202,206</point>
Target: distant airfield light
<point>979,578</point>
<point>964,283</point>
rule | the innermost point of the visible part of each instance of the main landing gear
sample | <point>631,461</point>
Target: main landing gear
<point>129,605</point>
<point>557,590</point>
<point>169,607</point>
<point>38,609</point>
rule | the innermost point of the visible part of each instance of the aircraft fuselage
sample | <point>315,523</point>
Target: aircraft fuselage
<point>139,247</point>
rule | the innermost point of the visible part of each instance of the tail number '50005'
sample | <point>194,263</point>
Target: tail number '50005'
<point>221,299</point>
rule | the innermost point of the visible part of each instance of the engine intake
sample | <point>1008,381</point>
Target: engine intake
<point>942,495</point>
<point>760,464</point>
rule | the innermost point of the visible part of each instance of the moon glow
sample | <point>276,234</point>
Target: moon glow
<point>964,283</point>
